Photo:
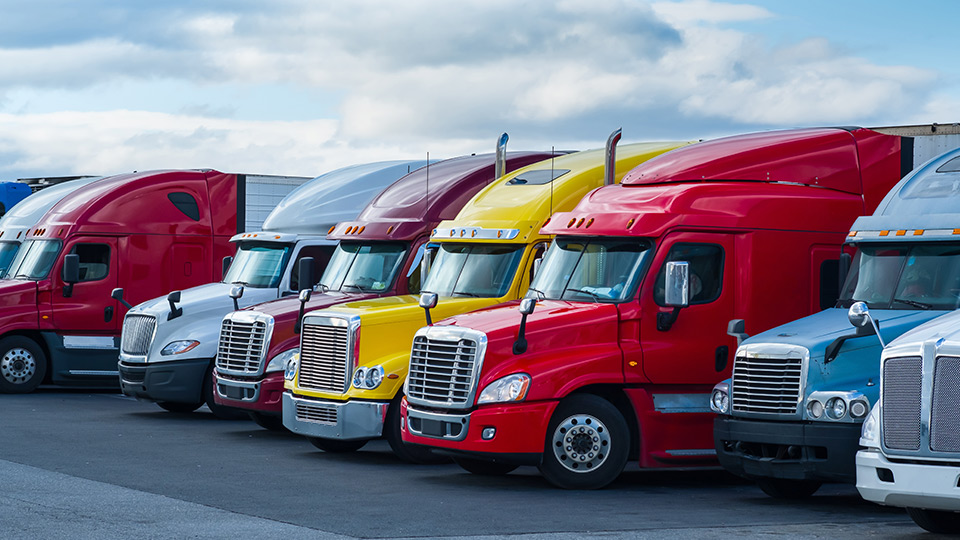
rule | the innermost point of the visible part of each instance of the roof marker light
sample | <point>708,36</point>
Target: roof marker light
<point>462,232</point>
<point>956,231</point>
<point>362,227</point>
<point>547,221</point>
<point>572,221</point>
<point>473,233</point>
<point>630,223</point>
<point>330,230</point>
<point>884,233</point>
<point>918,232</point>
<point>390,230</point>
<point>579,223</point>
<point>499,234</point>
<point>852,233</point>
<point>901,232</point>
<point>452,232</point>
<point>589,223</point>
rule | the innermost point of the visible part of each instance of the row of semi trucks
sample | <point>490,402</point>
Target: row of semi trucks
<point>575,311</point>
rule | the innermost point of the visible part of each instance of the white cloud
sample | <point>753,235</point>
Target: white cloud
<point>695,11</point>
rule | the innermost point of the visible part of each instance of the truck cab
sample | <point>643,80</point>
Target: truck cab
<point>909,451</point>
<point>346,387</point>
<point>169,342</point>
<point>612,354</point>
<point>790,416</point>
<point>157,230</point>
<point>11,193</point>
<point>379,254</point>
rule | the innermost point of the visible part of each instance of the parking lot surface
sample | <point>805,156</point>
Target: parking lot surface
<point>100,465</point>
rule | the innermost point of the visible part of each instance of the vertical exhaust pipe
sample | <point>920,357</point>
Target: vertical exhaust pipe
<point>610,163</point>
<point>500,166</point>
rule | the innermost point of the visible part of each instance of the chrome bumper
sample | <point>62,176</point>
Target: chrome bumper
<point>452,427</point>
<point>238,390</point>
<point>332,419</point>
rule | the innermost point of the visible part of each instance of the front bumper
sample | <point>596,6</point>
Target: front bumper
<point>913,485</point>
<point>520,430</point>
<point>179,381</point>
<point>791,450</point>
<point>332,419</point>
<point>261,395</point>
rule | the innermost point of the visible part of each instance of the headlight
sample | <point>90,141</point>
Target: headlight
<point>510,388</point>
<point>836,408</point>
<point>293,363</point>
<point>178,347</point>
<point>720,400</point>
<point>279,362</point>
<point>365,378</point>
<point>815,409</point>
<point>870,432</point>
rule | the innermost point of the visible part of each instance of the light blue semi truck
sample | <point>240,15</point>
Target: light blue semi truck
<point>790,415</point>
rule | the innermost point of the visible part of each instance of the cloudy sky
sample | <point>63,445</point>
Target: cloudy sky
<point>303,87</point>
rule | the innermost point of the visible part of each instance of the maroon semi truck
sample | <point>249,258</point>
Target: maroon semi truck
<point>149,233</point>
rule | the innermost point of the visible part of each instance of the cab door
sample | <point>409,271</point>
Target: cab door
<point>87,308</point>
<point>695,349</point>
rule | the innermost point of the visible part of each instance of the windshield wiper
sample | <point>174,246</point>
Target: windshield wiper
<point>357,287</point>
<point>470,294</point>
<point>581,291</point>
<point>914,303</point>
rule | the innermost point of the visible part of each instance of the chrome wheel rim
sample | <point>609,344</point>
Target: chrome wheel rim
<point>18,365</point>
<point>581,443</point>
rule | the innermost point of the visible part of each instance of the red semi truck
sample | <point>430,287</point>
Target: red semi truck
<point>614,351</point>
<point>379,255</point>
<point>149,232</point>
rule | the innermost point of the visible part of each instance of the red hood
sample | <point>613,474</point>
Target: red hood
<point>18,305</point>
<point>15,288</point>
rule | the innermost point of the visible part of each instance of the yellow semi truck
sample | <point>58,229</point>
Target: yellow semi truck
<point>346,385</point>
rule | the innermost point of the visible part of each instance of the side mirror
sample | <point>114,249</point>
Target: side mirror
<point>425,264</point>
<point>236,292</point>
<point>735,328</point>
<point>844,269</point>
<point>527,305</point>
<point>304,298</point>
<point>117,294</point>
<point>225,266</point>
<point>173,298</point>
<point>536,266</point>
<point>428,301</point>
<point>305,273</point>
<point>71,273</point>
<point>859,316</point>
<point>677,284</point>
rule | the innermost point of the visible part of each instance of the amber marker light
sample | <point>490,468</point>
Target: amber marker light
<point>572,221</point>
<point>589,223</point>
<point>579,223</point>
<point>918,232</point>
<point>462,232</point>
<point>362,227</point>
<point>852,233</point>
<point>330,230</point>
<point>473,233</point>
<point>390,230</point>
<point>901,232</point>
<point>630,223</point>
<point>884,233</point>
<point>499,234</point>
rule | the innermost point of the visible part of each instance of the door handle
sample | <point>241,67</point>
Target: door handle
<point>720,360</point>
<point>108,314</point>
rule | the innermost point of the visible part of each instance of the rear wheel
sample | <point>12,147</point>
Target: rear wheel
<point>337,446</point>
<point>781,488</point>
<point>936,521</point>
<point>267,421</point>
<point>22,365</point>
<point>175,407</point>
<point>587,443</point>
<point>411,453</point>
<point>483,467</point>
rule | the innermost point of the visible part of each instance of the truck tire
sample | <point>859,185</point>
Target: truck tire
<point>267,421</point>
<point>23,365</point>
<point>337,446</point>
<point>411,453</point>
<point>936,521</point>
<point>482,467</point>
<point>782,488</point>
<point>176,407</point>
<point>586,445</point>
<point>220,411</point>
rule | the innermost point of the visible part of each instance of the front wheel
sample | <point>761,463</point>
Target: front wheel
<point>482,467</point>
<point>22,365</point>
<point>936,521</point>
<point>587,443</point>
<point>337,446</point>
<point>781,488</point>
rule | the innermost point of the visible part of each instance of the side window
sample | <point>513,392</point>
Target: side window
<point>706,272</point>
<point>321,256</point>
<point>537,255</point>
<point>829,283</point>
<point>186,204</point>
<point>94,261</point>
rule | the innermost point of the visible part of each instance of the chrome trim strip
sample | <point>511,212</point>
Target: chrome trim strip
<point>475,233</point>
<point>95,373</point>
<point>89,342</point>
<point>681,403</point>
<point>462,419</point>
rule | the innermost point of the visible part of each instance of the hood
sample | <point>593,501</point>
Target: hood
<point>405,309</point>
<point>817,331</point>
<point>203,311</point>
<point>945,327</point>
<point>558,341</point>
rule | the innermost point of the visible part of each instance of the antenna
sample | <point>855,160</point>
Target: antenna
<point>553,154</point>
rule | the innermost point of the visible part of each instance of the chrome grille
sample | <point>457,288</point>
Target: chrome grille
<point>319,413</point>
<point>945,414</point>
<point>442,372</point>
<point>137,334</point>
<point>323,357</point>
<point>900,407</point>
<point>242,346</point>
<point>766,385</point>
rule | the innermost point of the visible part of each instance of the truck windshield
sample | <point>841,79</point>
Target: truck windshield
<point>259,265</point>
<point>363,267</point>
<point>592,270</point>
<point>34,260</point>
<point>479,270</point>
<point>7,251</point>
<point>904,277</point>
